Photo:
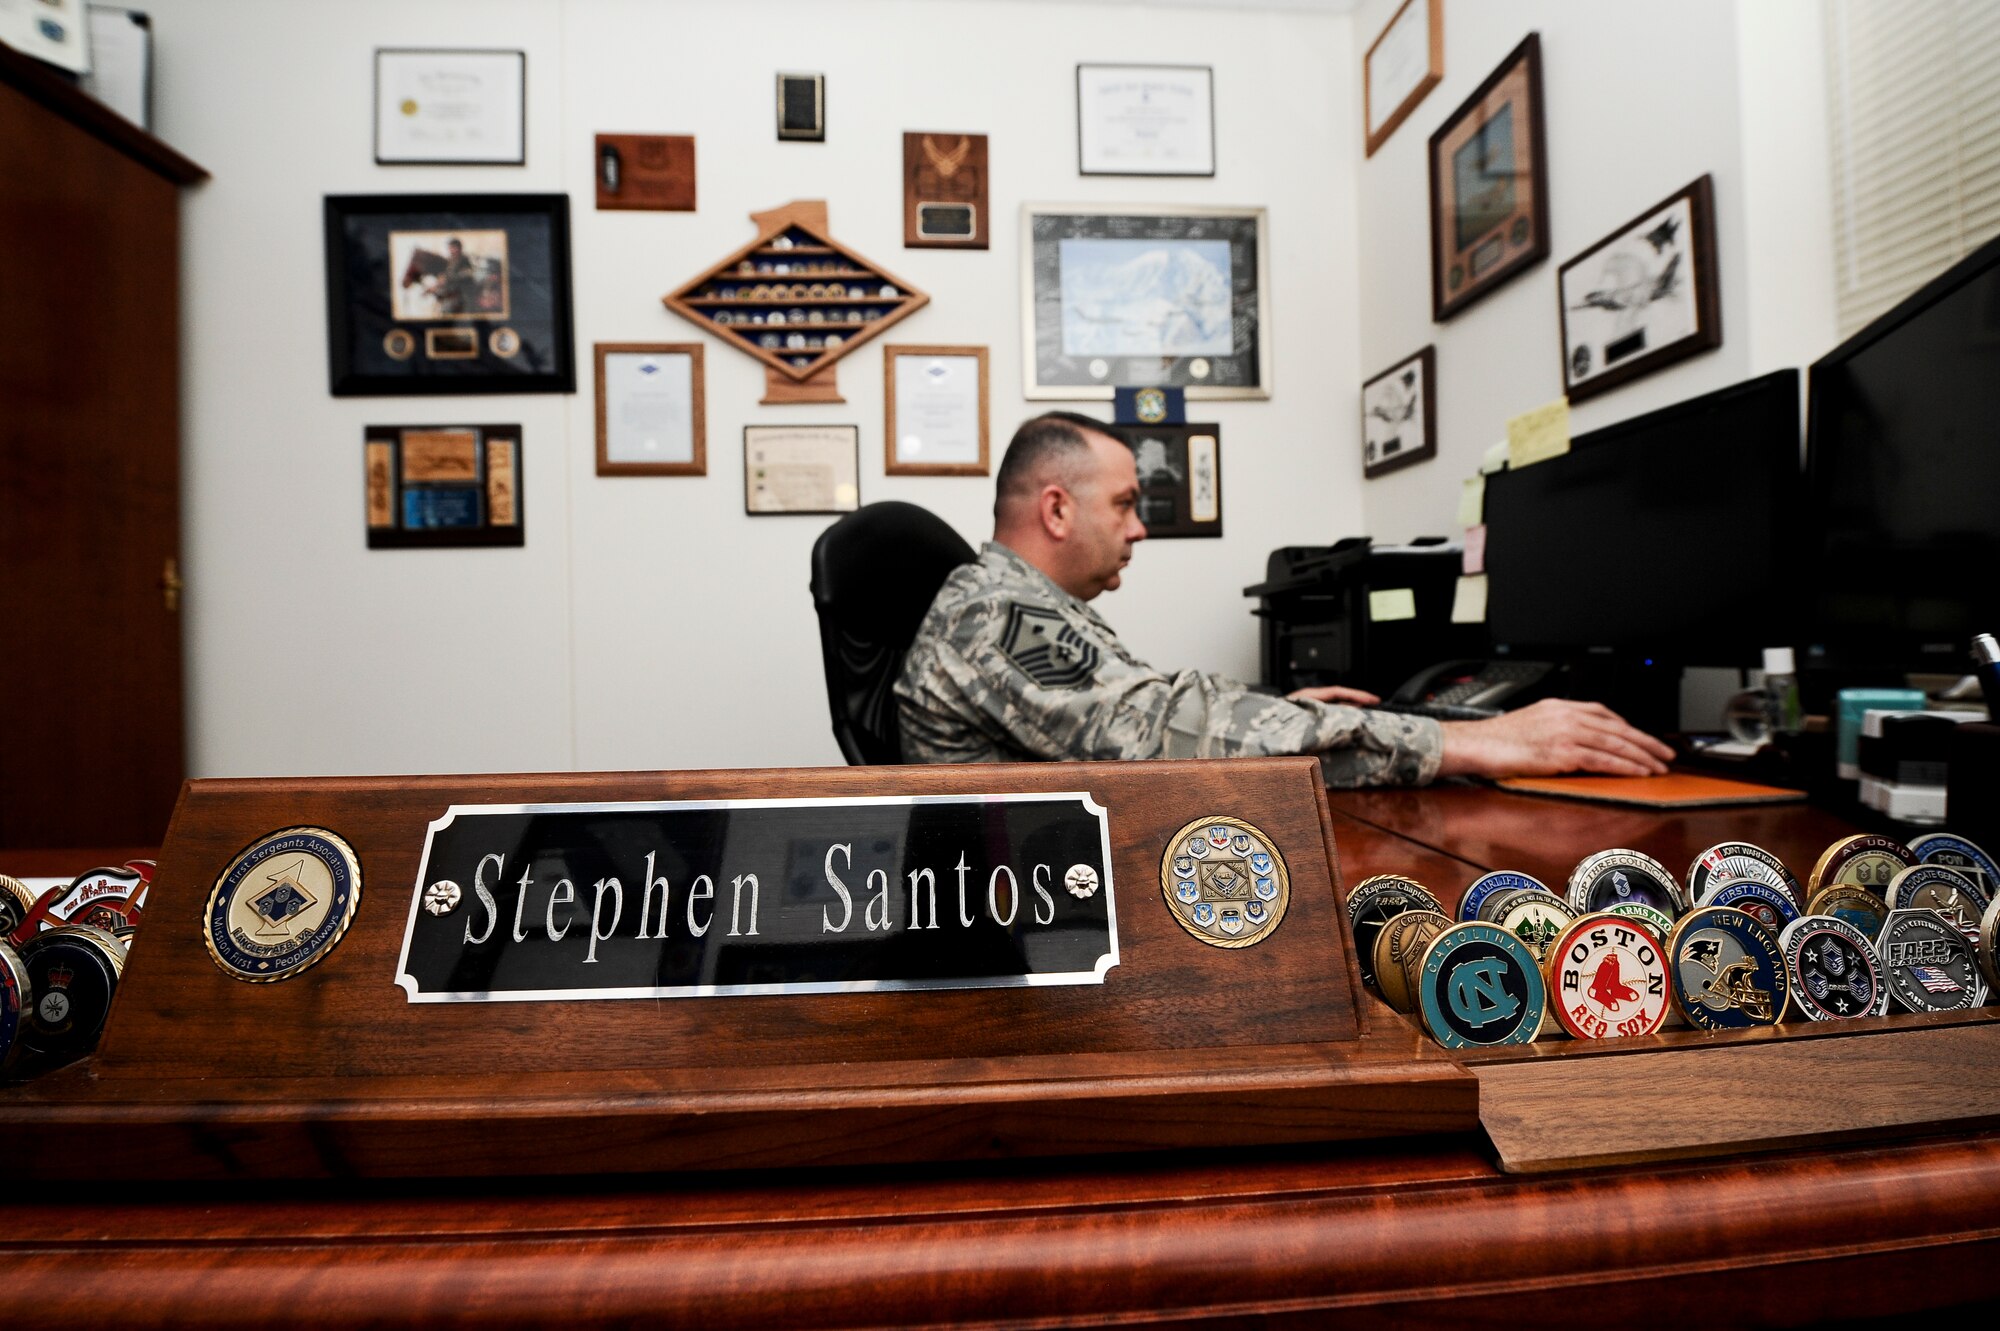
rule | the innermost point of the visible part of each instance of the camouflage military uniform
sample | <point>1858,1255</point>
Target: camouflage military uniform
<point>1007,666</point>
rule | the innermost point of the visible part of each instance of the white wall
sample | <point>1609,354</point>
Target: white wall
<point>648,622</point>
<point>1640,99</point>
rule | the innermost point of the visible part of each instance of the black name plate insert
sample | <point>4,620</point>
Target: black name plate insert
<point>708,898</point>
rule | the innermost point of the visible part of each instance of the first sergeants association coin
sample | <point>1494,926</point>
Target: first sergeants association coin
<point>1611,876</point>
<point>1733,861</point>
<point>1372,904</point>
<point>1726,970</point>
<point>1860,861</point>
<point>282,904</point>
<point>1946,891</point>
<point>73,973</point>
<point>1487,885</point>
<point>1928,964</point>
<point>16,996</point>
<point>1772,906</point>
<point>1832,969</point>
<point>1607,977</point>
<point>1479,985</point>
<point>1399,950</point>
<point>1955,852</point>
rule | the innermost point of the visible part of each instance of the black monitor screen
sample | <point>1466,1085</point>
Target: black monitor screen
<point>1672,534</point>
<point>1904,461</point>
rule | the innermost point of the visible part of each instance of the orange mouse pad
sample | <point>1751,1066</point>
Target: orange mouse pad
<point>1675,790</point>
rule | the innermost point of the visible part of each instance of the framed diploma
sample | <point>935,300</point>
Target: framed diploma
<point>448,293</point>
<point>801,469</point>
<point>450,108</point>
<point>1143,296</point>
<point>1402,67</point>
<point>650,409</point>
<point>442,485</point>
<point>1145,120</point>
<point>934,401</point>
<point>1490,186</point>
<point>1180,478</point>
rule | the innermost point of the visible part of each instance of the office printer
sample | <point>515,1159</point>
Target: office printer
<point>1356,613</point>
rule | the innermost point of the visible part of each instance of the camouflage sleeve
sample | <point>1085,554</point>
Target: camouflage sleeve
<point>1057,691</point>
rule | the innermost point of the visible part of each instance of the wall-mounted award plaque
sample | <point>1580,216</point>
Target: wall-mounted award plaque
<point>443,485</point>
<point>646,171</point>
<point>944,191</point>
<point>802,107</point>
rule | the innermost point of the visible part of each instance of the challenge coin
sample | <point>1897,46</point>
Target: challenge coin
<point>1989,943</point>
<point>1955,852</point>
<point>73,973</point>
<point>1733,861</point>
<point>1928,964</point>
<point>1860,861</point>
<point>1831,968</point>
<point>1946,891</point>
<point>1611,876</point>
<point>1372,904</point>
<point>1658,921</point>
<point>1399,950</point>
<point>1608,977</point>
<point>16,995</point>
<point>1537,919</point>
<point>1486,885</point>
<point>1725,969</point>
<point>1479,985</point>
<point>282,904</point>
<point>16,900</point>
<point>1857,905</point>
<point>1771,906</point>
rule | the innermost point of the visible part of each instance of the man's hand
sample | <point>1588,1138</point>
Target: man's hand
<point>1549,738</point>
<point>1334,693</point>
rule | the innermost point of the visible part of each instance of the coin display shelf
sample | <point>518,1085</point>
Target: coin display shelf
<point>798,300</point>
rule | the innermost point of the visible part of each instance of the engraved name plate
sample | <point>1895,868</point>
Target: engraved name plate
<point>716,898</point>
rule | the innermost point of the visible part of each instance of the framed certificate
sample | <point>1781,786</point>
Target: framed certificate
<point>1145,120</point>
<point>450,108</point>
<point>1123,295</point>
<point>934,401</point>
<point>1402,67</point>
<point>650,409</point>
<point>801,469</point>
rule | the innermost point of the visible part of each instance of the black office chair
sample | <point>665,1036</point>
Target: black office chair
<point>874,574</point>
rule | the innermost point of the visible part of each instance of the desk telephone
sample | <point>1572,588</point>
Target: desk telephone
<point>1470,690</point>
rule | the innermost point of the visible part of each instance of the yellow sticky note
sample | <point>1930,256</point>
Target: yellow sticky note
<point>1538,435</point>
<point>1472,501</point>
<point>1392,603</point>
<point>1495,459</point>
<point>1468,602</point>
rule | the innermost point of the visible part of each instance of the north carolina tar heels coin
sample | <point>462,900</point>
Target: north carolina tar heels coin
<point>1771,906</point>
<point>1860,907</point>
<point>1611,876</point>
<point>1372,904</point>
<point>1832,970</point>
<point>1608,978</point>
<point>1484,886</point>
<point>1946,891</point>
<point>1955,852</point>
<point>73,973</point>
<point>1726,970</point>
<point>1479,985</point>
<point>282,904</point>
<point>1399,951</point>
<point>1928,964</point>
<point>1733,861</point>
<point>1860,861</point>
<point>1225,882</point>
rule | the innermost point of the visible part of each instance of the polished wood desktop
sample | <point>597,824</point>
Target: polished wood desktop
<point>1806,1225</point>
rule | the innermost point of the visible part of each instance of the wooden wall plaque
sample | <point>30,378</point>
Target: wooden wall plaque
<point>645,171</point>
<point>337,1073</point>
<point>944,191</point>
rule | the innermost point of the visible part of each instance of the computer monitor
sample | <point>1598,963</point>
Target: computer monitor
<point>1672,535</point>
<point>1903,465</point>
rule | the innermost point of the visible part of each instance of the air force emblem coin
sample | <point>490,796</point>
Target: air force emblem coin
<point>1479,985</point>
<point>282,904</point>
<point>1239,887</point>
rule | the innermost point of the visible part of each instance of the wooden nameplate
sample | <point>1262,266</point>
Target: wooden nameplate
<point>336,1072</point>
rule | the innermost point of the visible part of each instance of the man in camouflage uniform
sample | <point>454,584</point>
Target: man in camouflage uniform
<point>1011,664</point>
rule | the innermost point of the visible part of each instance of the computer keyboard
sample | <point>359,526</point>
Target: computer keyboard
<point>1439,711</point>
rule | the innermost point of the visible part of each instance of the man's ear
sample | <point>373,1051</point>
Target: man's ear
<point>1057,509</point>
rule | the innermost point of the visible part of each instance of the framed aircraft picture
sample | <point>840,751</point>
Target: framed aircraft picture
<point>1399,415</point>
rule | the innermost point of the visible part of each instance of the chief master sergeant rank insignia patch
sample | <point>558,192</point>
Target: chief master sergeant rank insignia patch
<point>1047,649</point>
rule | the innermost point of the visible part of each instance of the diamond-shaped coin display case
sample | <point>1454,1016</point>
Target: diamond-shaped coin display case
<point>798,300</point>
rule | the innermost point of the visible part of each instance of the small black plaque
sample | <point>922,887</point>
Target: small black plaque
<point>736,897</point>
<point>944,219</point>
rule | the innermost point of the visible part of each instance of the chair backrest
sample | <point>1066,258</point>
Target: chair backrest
<point>874,575</point>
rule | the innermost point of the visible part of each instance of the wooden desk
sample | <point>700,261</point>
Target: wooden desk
<point>1372,1234</point>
